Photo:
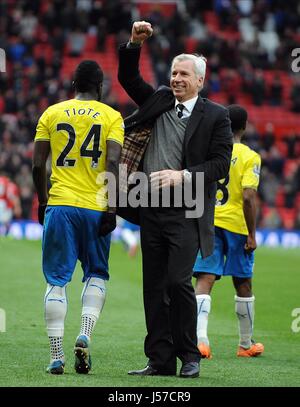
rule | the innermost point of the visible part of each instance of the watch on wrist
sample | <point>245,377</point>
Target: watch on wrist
<point>187,176</point>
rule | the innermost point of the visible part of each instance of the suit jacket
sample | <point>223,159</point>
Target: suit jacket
<point>207,143</point>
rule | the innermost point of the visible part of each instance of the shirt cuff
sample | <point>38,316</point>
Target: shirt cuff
<point>133,45</point>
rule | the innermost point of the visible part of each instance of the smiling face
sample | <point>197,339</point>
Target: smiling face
<point>184,81</point>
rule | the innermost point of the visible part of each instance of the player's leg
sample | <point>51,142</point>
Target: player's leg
<point>203,287</point>
<point>93,254</point>
<point>130,238</point>
<point>59,261</point>
<point>206,272</point>
<point>55,313</point>
<point>244,308</point>
<point>239,265</point>
<point>93,299</point>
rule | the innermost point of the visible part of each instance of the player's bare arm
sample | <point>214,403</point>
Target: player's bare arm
<point>108,222</point>
<point>39,173</point>
<point>112,163</point>
<point>249,208</point>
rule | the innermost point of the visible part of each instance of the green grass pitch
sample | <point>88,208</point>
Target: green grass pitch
<point>117,344</point>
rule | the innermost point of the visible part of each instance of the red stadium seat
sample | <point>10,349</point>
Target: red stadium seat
<point>148,7</point>
<point>2,104</point>
<point>289,167</point>
<point>280,197</point>
<point>282,147</point>
<point>212,21</point>
<point>191,45</point>
<point>45,51</point>
<point>90,43</point>
<point>288,216</point>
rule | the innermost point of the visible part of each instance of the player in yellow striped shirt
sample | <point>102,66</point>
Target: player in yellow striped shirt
<point>85,138</point>
<point>235,225</point>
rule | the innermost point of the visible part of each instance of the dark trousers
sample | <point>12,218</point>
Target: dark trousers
<point>169,244</point>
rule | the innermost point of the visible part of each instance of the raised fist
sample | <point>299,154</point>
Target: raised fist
<point>141,30</point>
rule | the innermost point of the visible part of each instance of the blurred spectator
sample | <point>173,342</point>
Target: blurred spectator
<point>245,7</point>
<point>274,161</point>
<point>214,83</point>
<point>10,102</point>
<point>276,91</point>
<point>58,39</point>
<point>297,221</point>
<point>297,178</point>
<point>268,138</point>
<point>24,181</point>
<point>101,34</point>
<point>271,219</point>
<point>196,27</point>
<point>258,88</point>
<point>9,203</point>
<point>76,42</point>
<point>268,186</point>
<point>28,25</point>
<point>16,49</point>
<point>251,137</point>
<point>295,95</point>
<point>292,141</point>
<point>229,55</point>
<point>84,5</point>
<point>290,188</point>
<point>231,85</point>
<point>247,74</point>
<point>226,12</point>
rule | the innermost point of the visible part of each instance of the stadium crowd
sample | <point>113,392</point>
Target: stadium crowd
<point>243,40</point>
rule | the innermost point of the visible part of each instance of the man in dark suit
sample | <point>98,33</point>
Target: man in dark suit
<point>174,135</point>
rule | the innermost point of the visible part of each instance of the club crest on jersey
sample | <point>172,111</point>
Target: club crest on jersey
<point>234,160</point>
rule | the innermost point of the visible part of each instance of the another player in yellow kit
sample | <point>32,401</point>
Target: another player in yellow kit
<point>85,138</point>
<point>235,226</point>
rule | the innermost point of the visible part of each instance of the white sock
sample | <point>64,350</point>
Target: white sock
<point>203,310</point>
<point>55,313</point>
<point>244,308</point>
<point>93,299</point>
<point>56,348</point>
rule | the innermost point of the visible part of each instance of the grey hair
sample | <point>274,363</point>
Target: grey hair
<point>199,63</point>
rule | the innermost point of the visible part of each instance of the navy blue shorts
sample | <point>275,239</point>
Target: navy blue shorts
<point>70,234</point>
<point>229,257</point>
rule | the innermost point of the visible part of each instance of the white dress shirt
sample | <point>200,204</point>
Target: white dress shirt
<point>188,106</point>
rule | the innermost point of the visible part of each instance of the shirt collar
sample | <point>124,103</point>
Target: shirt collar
<point>188,104</point>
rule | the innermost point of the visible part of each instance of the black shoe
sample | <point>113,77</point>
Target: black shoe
<point>190,370</point>
<point>147,371</point>
<point>83,362</point>
<point>151,371</point>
